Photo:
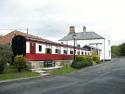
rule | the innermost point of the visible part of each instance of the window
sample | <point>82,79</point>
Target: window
<point>40,48</point>
<point>71,52</point>
<point>48,51</point>
<point>82,53</point>
<point>65,51</point>
<point>85,53</point>
<point>78,52</point>
<point>57,51</point>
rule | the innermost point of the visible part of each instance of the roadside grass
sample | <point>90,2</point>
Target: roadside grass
<point>12,73</point>
<point>64,70</point>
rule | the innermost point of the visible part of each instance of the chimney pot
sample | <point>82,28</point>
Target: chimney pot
<point>84,28</point>
<point>72,28</point>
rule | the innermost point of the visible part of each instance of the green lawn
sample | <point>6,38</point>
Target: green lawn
<point>11,73</point>
<point>63,70</point>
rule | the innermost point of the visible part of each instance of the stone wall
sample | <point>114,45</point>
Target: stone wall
<point>40,64</point>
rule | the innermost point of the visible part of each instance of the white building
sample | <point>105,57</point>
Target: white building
<point>91,39</point>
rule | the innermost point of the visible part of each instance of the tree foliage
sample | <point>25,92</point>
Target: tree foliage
<point>5,56</point>
<point>95,57</point>
<point>122,49</point>
<point>118,50</point>
<point>20,62</point>
<point>82,61</point>
<point>115,51</point>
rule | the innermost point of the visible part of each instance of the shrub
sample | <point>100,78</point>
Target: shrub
<point>82,61</point>
<point>95,57</point>
<point>89,60</point>
<point>20,62</point>
<point>5,56</point>
<point>80,58</point>
<point>2,66</point>
<point>83,58</point>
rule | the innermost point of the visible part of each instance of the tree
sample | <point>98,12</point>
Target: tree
<point>118,50</point>
<point>5,56</point>
<point>20,62</point>
<point>95,57</point>
<point>122,49</point>
<point>115,50</point>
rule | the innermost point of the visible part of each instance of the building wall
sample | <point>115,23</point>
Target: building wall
<point>103,53</point>
<point>27,47</point>
<point>33,65</point>
<point>42,50</point>
<point>108,48</point>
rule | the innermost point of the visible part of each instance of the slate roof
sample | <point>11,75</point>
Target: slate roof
<point>82,36</point>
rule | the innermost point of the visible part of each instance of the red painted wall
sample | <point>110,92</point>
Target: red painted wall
<point>35,57</point>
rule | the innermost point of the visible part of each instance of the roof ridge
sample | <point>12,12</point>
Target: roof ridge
<point>83,36</point>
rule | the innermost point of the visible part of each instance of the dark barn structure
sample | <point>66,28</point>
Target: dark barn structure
<point>19,45</point>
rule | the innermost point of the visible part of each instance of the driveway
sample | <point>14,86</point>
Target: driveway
<point>105,78</point>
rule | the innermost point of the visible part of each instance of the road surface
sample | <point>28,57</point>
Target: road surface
<point>106,78</point>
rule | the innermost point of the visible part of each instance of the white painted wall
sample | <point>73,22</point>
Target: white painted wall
<point>37,48</point>
<point>105,53</point>
<point>27,47</point>
<point>53,47</point>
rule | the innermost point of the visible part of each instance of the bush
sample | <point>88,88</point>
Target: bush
<point>89,60</point>
<point>77,65</point>
<point>2,66</point>
<point>82,61</point>
<point>84,58</point>
<point>20,62</point>
<point>80,58</point>
<point>5,56</point>
<point>95,57</point>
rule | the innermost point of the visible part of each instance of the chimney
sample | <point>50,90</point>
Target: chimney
<point>84,29</point>
<point>72,29</point>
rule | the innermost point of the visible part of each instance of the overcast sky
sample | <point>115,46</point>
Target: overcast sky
<point>51,18</point>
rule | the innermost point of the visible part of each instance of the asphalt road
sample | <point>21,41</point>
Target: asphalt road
<point>106,78</point>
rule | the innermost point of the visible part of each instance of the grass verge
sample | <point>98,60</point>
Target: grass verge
<point>11,73</point>
<point>64,70</point>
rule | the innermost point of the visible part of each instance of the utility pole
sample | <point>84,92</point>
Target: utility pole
<point>74,37</point>
<point>27,31</point>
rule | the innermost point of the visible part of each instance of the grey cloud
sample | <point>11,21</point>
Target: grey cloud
<point>32,17</point>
